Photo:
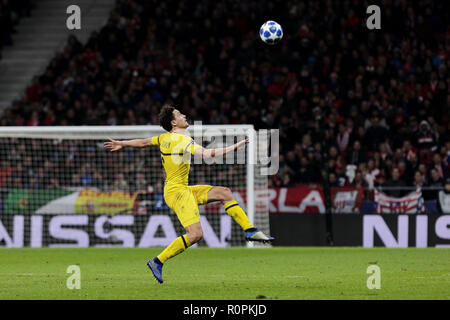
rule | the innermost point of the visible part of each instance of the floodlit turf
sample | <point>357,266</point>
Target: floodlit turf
<point>227,274</point>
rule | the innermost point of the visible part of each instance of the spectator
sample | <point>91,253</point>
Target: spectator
<point>371,174</point>
<point>425,142</point>
<point>332,180</point>
<point>381,180</point>
<point>412,166</point>
<point>393,187</point>
<point>408,149</point>
<point>424,172</point>
<point>359,181</point>
<point>357,154</point>
<point>120,184</point>
<point>376,133</point>
<point>292,162</point>
<point>418,180</point>
<point>385,152</point>
<point>341,175</point>
<point>287,181</point>
<point>139,183</point>
<point>86,177</point>
<point>438,165</point>
<point>435,184</point>
<point>343,138</point>
<point>444,198</point>
<point>306,172</point>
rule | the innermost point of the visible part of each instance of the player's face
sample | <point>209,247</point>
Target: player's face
<point>180,119</point>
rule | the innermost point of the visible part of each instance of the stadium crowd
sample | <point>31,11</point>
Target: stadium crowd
<point>355,107</point>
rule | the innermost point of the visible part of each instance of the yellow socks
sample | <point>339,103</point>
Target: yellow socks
<point>236,212</point>
<point>176,247</point>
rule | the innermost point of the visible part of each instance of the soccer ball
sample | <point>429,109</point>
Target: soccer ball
<point>271,32</point>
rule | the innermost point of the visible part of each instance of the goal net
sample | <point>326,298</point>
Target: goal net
<point>59,187</point>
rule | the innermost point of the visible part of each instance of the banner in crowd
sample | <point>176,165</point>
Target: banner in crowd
<point>411,203</point>
<point>122,230</point>
<point>303,199</point>
<point>346,199</point>
<point>61,201</point>
<point>80,230</point>
<point>296,200</point>
<point>90,201</point>
<point>25,201</point>
<point>367,230</point>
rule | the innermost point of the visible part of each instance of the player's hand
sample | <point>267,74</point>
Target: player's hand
<point>114,145</point>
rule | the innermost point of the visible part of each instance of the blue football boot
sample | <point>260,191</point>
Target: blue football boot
<point>156,269</point>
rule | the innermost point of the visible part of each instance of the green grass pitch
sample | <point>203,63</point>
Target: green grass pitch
<point>288,273</point>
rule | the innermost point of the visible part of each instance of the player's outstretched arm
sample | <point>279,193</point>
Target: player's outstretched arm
<point>115,145</point>
<point>209,153</point>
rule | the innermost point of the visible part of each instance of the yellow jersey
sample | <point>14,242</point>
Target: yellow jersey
<point>176,150</point>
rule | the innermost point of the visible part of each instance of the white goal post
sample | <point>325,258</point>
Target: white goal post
<point>65,170</point>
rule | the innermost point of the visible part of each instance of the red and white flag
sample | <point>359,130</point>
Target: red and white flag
<point>411,203</point>
<point>346,199</point>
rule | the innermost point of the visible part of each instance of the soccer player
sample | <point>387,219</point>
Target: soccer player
<point>179,196</point>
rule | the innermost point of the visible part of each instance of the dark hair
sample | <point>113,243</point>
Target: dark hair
<point>166,116</point>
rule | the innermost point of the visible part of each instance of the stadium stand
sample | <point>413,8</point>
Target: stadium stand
<point>338,94</point>
<point>11,11</point>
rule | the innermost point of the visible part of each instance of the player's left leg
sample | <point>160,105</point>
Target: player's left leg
<point>194,234</point>
<point>232,207</point>
<point>184,204</point>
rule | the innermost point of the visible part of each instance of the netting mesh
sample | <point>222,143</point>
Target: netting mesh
<point>70,172</point>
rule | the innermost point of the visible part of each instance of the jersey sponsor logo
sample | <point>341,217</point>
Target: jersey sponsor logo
<point>165,145</point>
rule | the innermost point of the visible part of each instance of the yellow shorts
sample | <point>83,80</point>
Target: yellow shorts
<point>184,201</point>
